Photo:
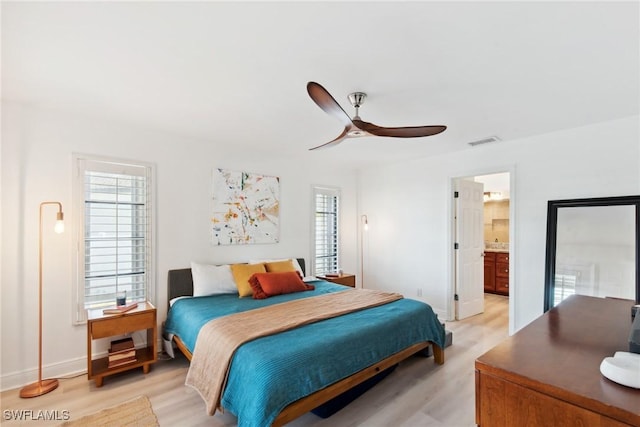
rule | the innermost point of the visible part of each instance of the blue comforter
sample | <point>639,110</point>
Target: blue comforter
<point>269,373</point>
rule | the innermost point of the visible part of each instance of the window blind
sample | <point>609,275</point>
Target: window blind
<point>116,239</point>
<point>565,285</point>
<point>327,214</point>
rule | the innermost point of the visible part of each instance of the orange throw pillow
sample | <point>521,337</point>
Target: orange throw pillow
<point>242,273</point>
<point>266,285</point>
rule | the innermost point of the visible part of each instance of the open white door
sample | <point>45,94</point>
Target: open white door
<point>469,238</point>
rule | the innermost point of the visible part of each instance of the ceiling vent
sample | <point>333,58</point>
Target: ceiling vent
<point>484,141</point>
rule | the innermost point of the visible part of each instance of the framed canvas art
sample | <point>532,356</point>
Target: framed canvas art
<point>246,208</point>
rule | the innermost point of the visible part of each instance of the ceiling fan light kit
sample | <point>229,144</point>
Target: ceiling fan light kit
<point>356,127</point>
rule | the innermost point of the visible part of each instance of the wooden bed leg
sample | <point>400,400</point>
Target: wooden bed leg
<point>438,354</point>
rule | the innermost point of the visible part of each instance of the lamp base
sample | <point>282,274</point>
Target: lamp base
<point>39,388</point>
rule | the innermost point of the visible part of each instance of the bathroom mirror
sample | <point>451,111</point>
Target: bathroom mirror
<point>592,248</point>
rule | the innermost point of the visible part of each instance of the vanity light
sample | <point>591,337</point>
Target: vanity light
<point>489,196</point>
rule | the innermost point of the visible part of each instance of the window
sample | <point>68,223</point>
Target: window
<point>326,230</point>
<point>113,201</point>
<point>565,285</point>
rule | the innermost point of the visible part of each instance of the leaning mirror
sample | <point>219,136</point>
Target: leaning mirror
<point>592,248</point>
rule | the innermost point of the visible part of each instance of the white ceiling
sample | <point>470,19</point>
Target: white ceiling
<point>236,72</point>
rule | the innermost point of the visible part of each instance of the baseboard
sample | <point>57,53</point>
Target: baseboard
<point>60,370</point>
<point>67,368</point>
<point>441,314</point>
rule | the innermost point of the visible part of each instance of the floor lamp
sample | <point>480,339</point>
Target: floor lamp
<point>43,386</point>
<point>365,226</point>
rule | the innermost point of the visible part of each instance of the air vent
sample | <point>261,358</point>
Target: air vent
<point>484,141</point>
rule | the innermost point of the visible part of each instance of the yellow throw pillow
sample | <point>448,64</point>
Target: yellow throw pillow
<point>242,273</point>
<point>279,266</point>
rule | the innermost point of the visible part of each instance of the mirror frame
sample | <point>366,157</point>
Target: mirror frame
<point>552,223</point>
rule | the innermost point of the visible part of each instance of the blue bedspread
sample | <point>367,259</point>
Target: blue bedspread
<point>269,373</point>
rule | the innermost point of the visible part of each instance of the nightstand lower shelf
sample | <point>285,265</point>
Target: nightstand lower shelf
<point>100,367</point>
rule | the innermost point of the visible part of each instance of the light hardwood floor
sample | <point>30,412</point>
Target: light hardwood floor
<point>417,393</point>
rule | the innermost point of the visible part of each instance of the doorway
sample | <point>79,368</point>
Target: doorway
<point>496,253</point>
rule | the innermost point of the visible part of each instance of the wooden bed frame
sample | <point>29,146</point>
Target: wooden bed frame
<point>181,284</point>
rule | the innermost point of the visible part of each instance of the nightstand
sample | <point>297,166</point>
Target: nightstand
<point>343,279</point>
<point>101,325</point>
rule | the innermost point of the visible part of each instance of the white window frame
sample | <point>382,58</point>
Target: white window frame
<point>332,192</point>
<point>82,163</point>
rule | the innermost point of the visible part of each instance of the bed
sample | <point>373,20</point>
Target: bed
<point>275,379</point>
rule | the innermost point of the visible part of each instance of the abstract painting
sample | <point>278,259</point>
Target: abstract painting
<point>246,208</point>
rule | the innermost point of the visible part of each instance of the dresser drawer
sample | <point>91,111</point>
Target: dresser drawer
<point>117,325</point>
<point>502,257</point>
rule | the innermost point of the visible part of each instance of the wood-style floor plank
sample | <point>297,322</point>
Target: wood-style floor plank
<point>417,393</point>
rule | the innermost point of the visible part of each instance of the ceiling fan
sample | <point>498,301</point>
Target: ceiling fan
<point>355,127</point>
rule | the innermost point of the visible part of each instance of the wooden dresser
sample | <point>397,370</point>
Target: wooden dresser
<point>548,374</point>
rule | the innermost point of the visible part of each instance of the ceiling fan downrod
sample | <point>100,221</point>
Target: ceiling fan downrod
<point>357,99</point>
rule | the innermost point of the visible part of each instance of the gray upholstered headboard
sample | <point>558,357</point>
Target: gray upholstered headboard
<point>180,282</point>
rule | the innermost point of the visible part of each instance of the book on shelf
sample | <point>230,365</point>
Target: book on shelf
<point>122,344</point>
<point>120,309</point>
<point>122,355</point>
<point>116,363</point>
<point>121,352</point>
<point>332,275</point>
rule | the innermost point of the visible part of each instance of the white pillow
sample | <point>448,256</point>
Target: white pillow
<point>295,262</point>
<point>212,279</point>
<point>172,300</point>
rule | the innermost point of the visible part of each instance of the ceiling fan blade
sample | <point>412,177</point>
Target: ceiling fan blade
<point>325,101</point>
<point>344,135</point>
<point>399,132</point>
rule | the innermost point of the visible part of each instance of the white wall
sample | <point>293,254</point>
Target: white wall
<point>36,155</point>
<point>408,205</point>
<point>408,244</point>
